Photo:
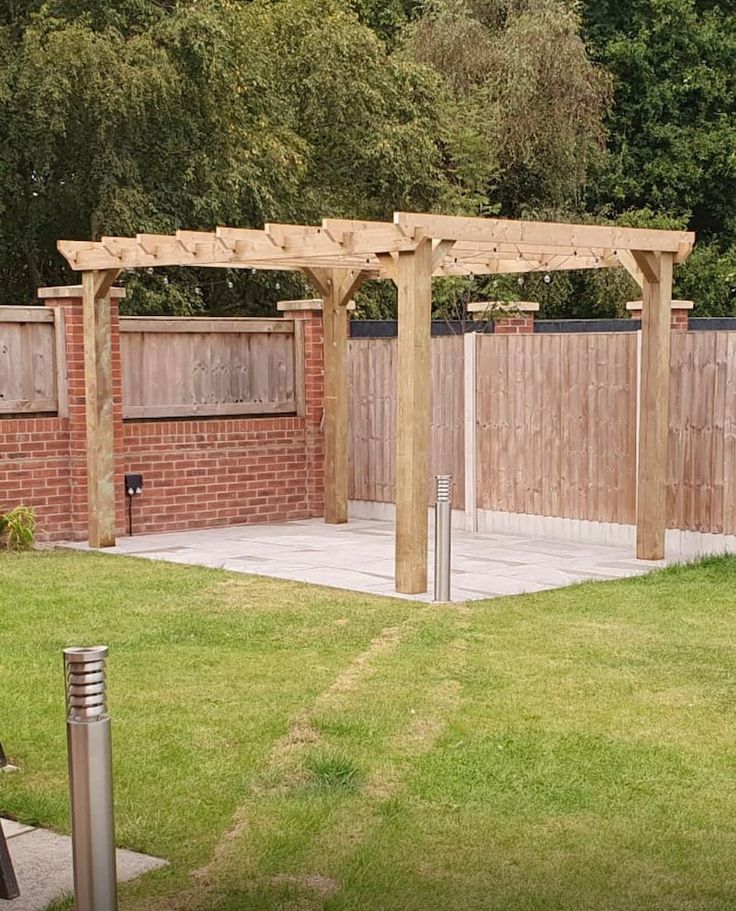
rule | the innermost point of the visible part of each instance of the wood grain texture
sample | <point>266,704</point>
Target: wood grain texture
<point>576,457</point>
<point>99,414</point>
<point>413,417</point>
<point>654,408</point>
<point>555,425</point>
<point>335,317</point>
<point>180,374</point>
<point>372,423</point>
<point>28,364</point>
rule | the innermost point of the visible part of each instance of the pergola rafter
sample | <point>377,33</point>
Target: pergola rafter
<point>337,257</point>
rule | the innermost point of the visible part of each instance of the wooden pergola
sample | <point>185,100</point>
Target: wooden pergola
<point>337,257</point>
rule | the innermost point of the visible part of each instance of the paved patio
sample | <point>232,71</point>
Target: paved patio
<point>360,556</point>
<point>43,865</point>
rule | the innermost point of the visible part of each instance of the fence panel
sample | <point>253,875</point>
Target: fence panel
<point>556,425</point>
<point>28,361</point>
<point>199,367</point>
<point>701,491</point>
<point>372,366</point>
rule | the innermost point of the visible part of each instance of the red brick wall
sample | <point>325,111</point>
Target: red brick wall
<point>34,471</point>
<point>197,473</point>
<point>679,318</point>
<point>217,472</point>
<point>514,325</point>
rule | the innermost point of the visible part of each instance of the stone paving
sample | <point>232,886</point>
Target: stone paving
<point>42,861</point>
<point>360,556</point>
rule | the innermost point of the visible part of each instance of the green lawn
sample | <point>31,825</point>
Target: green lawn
<point>292,747</point>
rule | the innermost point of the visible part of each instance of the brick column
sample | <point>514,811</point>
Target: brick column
<point>68,300</point>
<point>509,317</point>
<point>309,313</point>
<point>679,318</point>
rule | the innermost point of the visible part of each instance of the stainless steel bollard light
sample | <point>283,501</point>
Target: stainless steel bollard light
<point>90,779</point>
<point>442,537</point>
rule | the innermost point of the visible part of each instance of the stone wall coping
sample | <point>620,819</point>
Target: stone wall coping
<point>66,291</point>
<point>504,306</point>
<point>676,305</point>
<point>312,304</point>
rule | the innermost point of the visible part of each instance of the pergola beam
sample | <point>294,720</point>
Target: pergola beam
<point>547,235</point>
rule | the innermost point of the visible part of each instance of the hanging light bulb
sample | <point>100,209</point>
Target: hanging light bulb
<point>230,284</point>
<point>520,281</point>
<point>547,278</point>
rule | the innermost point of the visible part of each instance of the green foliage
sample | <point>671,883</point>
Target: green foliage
<point>122,116</point>
<point>145,117</point>
<point>672,130</point>
<point>18,527</point>
<point>561,750</point>
<point>524,105</point>
<point>708,277</point>
<point>333,773</point>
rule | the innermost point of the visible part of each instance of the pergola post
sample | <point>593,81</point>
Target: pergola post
<point>654,390</point>
<point>337,286</point>
<point>99,406</point>
<point>414,281</point>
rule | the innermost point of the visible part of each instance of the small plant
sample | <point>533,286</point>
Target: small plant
<point>333,773</point>
<point>18,527</point>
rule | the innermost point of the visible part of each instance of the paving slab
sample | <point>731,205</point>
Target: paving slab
<point>359,556</point>
<point>43,866</point>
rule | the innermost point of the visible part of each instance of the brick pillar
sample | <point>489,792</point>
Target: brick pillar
<point>679,318</point>
<point>309,313</point>
<point>509,317</point>
<point>68,300</point>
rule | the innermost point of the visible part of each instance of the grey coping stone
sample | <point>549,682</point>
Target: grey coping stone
<point>43,866</point>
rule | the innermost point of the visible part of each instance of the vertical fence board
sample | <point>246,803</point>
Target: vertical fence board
<point>28,364</point>
<point>193,371</point>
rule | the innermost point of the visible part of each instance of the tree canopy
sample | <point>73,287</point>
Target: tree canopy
<point>122,116</point>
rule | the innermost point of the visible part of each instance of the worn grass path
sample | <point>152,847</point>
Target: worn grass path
<point>290,747</point>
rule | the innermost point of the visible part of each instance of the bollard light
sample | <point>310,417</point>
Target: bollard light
<point>442,537</point>
<point>90,779</point>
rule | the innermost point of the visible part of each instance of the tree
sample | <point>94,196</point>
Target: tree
<point>524,109</point>
<point>142,116</point>
<point>672,130</point>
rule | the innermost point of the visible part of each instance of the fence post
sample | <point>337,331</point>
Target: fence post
<point>90,779</point>
<point>470,357</point>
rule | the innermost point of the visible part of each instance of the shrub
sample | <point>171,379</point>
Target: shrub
<point>18,527</point>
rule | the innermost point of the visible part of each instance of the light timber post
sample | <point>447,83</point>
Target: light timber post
<point>99,406</point>
<point>414,280</point>
<point>653,404</point>
<point>337,287</point>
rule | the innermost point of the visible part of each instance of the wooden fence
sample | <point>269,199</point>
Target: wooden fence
<point>32,363</point>
<point>552,430</point>
<point>372,426</point>
<point>198,367</point>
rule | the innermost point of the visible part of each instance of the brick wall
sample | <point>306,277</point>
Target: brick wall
<point>197,473</point>
<point>34,471</point>
<point>514,325</point>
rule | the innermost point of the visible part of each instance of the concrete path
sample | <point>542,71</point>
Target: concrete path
<point>360,556</point>
<point>43,866</point>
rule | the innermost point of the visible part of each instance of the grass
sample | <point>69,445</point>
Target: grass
<point>291,747</point>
